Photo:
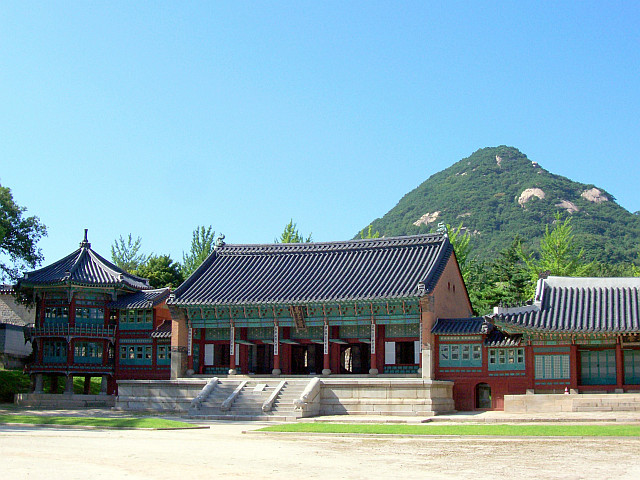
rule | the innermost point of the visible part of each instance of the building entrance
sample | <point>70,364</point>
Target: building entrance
<point>261,359</point>
<point>306,359</point>
<point>355,358</point>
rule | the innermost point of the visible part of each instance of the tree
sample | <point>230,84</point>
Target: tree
<point>124,253</point>
<point>508,277</point>
<point>18,237</point>
<point>558,254</point>
<point>291,235</point>
<point>161,271</point>
<point>461,246</point>
<point>369,234</point>
<point>202,245</point>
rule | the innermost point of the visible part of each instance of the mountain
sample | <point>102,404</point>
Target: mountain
<point>498,192</point>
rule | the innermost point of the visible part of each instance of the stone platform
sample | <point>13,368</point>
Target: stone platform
<point>63,401</point>
<point>573,402</point>
<point>298,397</point>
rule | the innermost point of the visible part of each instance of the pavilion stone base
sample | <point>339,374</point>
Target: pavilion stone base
<point>386,396</point>
<point>574,402</point>
<point>158,395</point>
<point>337,396</point>
<point>63,401</point>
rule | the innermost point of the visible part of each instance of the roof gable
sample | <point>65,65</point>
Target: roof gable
<point>317,272</point>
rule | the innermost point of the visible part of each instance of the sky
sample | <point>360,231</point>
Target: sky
<point>152,118</point>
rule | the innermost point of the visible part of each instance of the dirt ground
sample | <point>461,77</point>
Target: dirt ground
<point>224,451</point>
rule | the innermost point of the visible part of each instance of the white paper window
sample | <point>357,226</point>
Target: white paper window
<point>389,353</point>
<point>208,354</point>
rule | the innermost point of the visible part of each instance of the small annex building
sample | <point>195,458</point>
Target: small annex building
<point>358,307</point>
<point>93,319</point>
<point>14,318</point>
<point>580,335</point>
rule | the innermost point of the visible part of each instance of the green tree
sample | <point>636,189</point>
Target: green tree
<point>18,237</point>
<point>292,235</point>
<point>161,271</point>
<point>202,245</point>
<point>125,253</point>
<point>369,233</point>
<point>558,255</point>
<point>461,246</point>
<point>509,277</point>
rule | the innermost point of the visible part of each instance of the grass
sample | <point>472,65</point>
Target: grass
<point>14,381</point>
<point>94,421</point>
<point>489,430</point>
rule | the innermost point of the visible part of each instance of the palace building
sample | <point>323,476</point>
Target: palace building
<point>336,308</point>
<point>580,335</point>
<point>95,320</point>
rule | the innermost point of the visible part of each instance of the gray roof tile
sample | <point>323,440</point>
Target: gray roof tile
<point>84,267</point>
<point>317,272</point>
<point>141,299</point>
<point>566,304</point>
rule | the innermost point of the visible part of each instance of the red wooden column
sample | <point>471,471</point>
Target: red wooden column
<point>326,358</point>
<point>573,367</point>
<point>276,349</point>
<point>619,365</point>
<point>232,350</point>
<point>373,370</point>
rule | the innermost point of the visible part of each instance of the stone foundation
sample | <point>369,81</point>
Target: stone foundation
<point>574,402</point>
<point>62,401</point>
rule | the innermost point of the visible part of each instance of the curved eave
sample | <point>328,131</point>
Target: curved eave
<point>270,303</point>
<point>516,328</point>
<point>121,285</point>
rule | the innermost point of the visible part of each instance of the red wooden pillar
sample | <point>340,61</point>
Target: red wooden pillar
<point>573,366</point>
<point>373,370</point>
<point>72,312</point>
<point>380,348</point>
<point>326,346</point>
<point>276,350</point>
<point>232,350</point>
<point>619,365</point>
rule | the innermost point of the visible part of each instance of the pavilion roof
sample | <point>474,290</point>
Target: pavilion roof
<point>354,270</point>
<point>84,267</point>
<point>141,299</point>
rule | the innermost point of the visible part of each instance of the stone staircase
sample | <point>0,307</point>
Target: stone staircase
<point>242,399</point>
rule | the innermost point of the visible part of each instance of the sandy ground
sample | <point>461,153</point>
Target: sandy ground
<point>224,451</point>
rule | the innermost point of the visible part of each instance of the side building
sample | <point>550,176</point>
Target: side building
<point>580,335</point>
<point>14,318</point>
<point>81,301</point>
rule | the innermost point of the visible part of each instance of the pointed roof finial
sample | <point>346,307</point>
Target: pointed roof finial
<point>85,243</point>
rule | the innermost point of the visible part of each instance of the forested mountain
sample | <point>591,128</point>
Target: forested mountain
<point>498,192</point>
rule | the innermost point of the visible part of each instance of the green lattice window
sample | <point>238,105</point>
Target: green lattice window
<point>89,316</point>
<point>632,367</point>
<point>54,351</point>
<point>135,354</point>
<point>56,315</point>
<point>136,319</point>
<point>87,352</point>
<point>506,359</point>
<point>402,330</point>
<point>552,367</point>
<point>460,355</point>
<point>164,355</point>
<point>598,367</point>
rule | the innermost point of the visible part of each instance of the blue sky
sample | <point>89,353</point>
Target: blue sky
<point>152,118</point>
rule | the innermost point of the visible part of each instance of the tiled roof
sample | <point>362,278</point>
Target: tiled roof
<point>141,299</point>
<point>567,304</point>
<point>460,326</point>
<point>317,272</point>
<point>84,267</point>
<point>163,330</point>
<point>6,289</point>
<point>499,339</point>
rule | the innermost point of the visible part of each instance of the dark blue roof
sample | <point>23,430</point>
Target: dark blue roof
<point>496,338</point>
<point>568,304</point>
<point>141,299</point>
<point>460,326</point>
<point>369,269</point>
<point>84,267</point>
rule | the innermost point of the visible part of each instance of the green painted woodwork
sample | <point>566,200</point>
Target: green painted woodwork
<point>460,338</point>
<point>401,369</point>
<point>402,331</point>
<point>163,356</point>
<point>89,316</point>
<point>552,350</point>
<point>58,315</point>
<point>54,351</point>
<point>501,359</point>
<point>137,319</point>
<point>136,355</point>
<point>598,367</point>
<point>551,367</point>
<point>460,355</point>
<point>135,340</point>
<point>259,333</point>
<point>87,352</point>
<point>355,331</point>
<point>631,367</point>
<point>309,333</point>
<point>217,333</point>
<point>196,357</point>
